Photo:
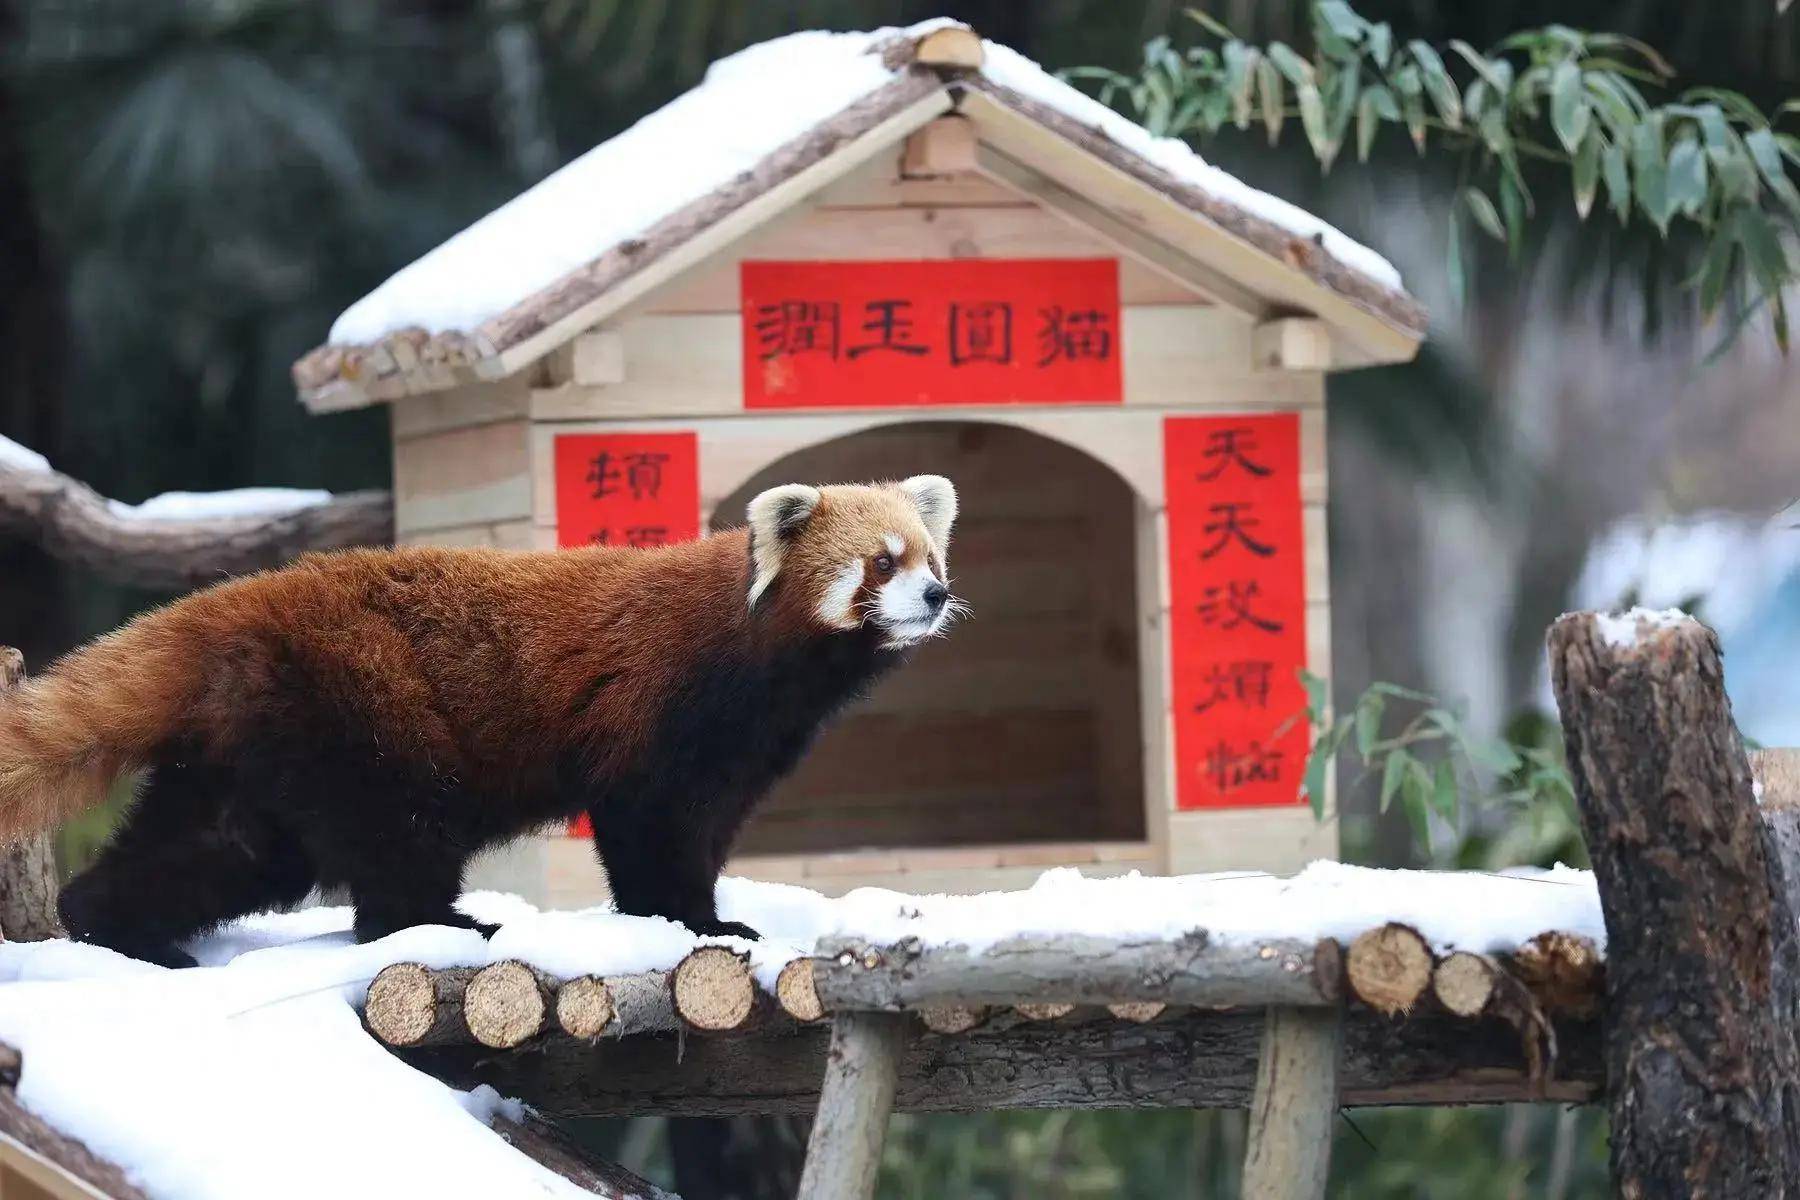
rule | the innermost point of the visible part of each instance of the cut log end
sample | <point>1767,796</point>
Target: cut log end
<point>953,47</point>
<point>402,1005</point>
<point>1389,968</point>
<point>584,1007</point>
<point>1138,1012</point>
<point>1563,971</point>
<point>951,1018</point>
<point>505,1005</point>
<point>1047,1011</point>
<point>712,990</point>
<point>796,992</point>
<point>1464,983</point>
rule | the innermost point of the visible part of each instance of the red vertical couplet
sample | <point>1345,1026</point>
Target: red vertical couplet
<point>1237,629</point>
<point>920,332</point>
<point>625,489</point>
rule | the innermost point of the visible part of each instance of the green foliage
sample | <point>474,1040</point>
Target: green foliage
<point>1420,751</point>
<point>1402,1154</point>
<point>1709,159</point>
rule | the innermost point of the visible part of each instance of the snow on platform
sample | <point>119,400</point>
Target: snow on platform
<point>253,1075</point>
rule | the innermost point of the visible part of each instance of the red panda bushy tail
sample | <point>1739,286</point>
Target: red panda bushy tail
<point>98,714</point>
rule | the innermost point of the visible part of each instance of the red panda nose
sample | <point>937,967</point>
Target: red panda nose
<point>935,595</point>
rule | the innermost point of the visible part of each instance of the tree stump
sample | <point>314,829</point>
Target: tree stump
<point>28,876</point>
<point>1702,1069</point>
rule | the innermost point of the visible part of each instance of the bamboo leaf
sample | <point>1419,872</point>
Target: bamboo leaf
<point>1318,763</point>
<point>1483,210</point>
<point>1454,270</point>
<point>1488,69</point>
<point>1415,792</point>
<point>1340,18</point>
<point>1381,44</point>
<point>1765,152</point>
<point>1375,105</point>
<point>1312,120</point>
<point>1268,91</point>
<point>1438,84</point>
<point>1210,23</point>
<point>1391,774</point>
<point>1443,791</point>
<point>1687,176</point>
<point>1368,721</point>
<point>1586,170</point>
<point>1290,64</point>
<point>1240,80</point>
<point>1569,114</point>
<point>1650,174</point>
<point>1318,694</point>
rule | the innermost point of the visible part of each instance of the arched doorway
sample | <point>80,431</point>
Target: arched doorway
<point>1023,725</point>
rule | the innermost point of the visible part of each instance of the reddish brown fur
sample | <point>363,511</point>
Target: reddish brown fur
<point>430,701</point>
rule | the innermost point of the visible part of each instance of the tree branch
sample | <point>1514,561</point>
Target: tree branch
<point>77,525</point>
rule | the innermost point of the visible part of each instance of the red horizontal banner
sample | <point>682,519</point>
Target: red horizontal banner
<point>958,331</point>
<point>1237,629</point>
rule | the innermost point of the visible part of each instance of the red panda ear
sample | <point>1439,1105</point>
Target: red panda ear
<point>935,498</point>
<point>775,517</point>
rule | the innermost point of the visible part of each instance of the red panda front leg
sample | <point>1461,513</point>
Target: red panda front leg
<point>657,868</point>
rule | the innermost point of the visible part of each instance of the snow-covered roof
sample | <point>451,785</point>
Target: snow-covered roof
<point>228,1079</point>
<point>763,116</point>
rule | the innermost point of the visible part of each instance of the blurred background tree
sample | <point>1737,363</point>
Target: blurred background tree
<point>190,190</point>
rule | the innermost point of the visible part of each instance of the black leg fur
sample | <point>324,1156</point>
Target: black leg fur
<point>185,859</point>
<point>655,868</point>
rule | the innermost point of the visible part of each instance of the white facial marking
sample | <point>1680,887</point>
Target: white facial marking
<point>896,545</point>
<point>901,607</point>
<point>834,605</point>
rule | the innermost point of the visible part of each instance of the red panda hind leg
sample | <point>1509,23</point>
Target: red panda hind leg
<point>185,858</point>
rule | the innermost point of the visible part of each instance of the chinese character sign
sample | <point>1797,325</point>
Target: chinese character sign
<point>961,331</point>
<point>1237,630</point>
<point>626,489</point>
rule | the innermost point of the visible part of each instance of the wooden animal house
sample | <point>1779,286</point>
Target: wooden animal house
<point>844,257</point>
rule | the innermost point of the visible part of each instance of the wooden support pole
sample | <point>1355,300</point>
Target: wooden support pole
<point>861,1072</point>
<point>1702,967</point>
<point>27,867</point>
<point>1296,1101</point>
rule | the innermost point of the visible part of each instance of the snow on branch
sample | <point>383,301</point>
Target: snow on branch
<point>182,539</point>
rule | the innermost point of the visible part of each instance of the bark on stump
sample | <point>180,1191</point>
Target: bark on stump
<point>27,867</point>
<point>1702,1069</point>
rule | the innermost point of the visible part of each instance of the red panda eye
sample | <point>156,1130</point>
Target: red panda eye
<point>884,564</point>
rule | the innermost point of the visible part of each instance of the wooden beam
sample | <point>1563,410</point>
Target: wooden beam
<point>32,1149</point>
<point>554,1150</point>
<point>1071,969</point>
<point>1141,246</point>
<point>1703,965</point>
<point>1194,1060</point>
<point>1291,344</point>
<point>861,1071</point>
<point>1296,1101</point>
<point>944,147</point>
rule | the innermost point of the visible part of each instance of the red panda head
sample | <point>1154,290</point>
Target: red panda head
<point>847,556</point>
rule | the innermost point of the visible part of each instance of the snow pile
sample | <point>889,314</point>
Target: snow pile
<point>1624,629</point>
<point>264,502</point>
<point>252,1076</point>
<point>19,458</point>
<point>749,104</point>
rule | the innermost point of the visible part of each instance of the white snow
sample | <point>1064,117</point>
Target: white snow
<point>19,458</point>
<point>1624,629</point>
<point>213,506</point>
<point>748,105</point>
<point>252,1074</point>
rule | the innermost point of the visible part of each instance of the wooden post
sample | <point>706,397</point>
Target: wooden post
<point>1701,964</point>
<point>1296,1101</point>
<point>28,866</point>
<point>861,1072</point>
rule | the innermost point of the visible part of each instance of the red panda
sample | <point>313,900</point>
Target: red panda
<point>371,719</point>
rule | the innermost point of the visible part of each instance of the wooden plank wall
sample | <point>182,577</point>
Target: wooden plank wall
<point>1023,724</point>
